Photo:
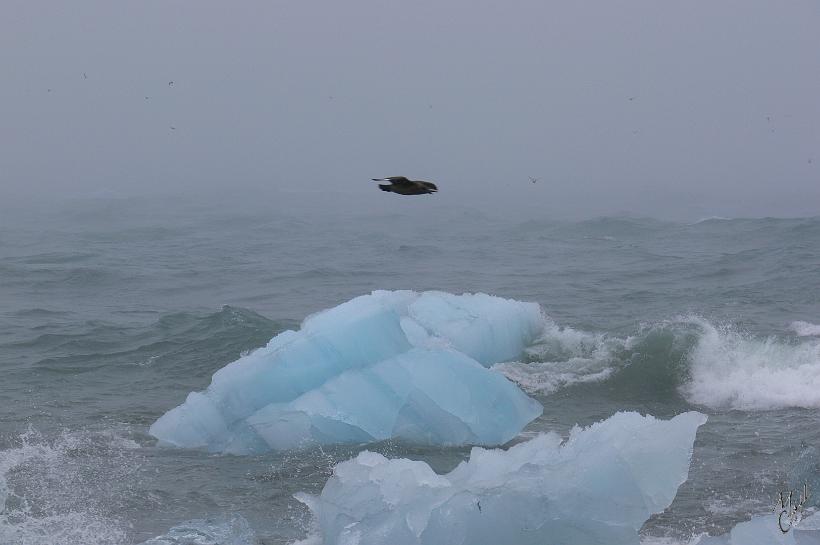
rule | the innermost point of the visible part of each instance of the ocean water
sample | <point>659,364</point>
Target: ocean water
<point>112,311</point>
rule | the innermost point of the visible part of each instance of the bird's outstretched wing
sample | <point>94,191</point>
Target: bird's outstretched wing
<point>392,179</point>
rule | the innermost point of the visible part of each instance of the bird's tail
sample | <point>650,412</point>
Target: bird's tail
<point>384,187</point>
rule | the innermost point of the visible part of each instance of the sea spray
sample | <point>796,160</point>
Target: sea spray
<point>69,490</point>
<point>731,368</point>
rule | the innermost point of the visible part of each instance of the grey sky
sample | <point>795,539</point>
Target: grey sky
<point>671,109</point>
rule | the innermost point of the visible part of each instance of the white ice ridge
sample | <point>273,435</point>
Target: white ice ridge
<point>598,487</point>
<point>389,364</point>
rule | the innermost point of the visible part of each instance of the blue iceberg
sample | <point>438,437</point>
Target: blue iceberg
<point>597,488</point>
<point>386,365</point>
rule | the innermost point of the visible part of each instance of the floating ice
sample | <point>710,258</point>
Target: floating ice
<point>390,364</point>
<point>597,488</point>
<point>764,530</point>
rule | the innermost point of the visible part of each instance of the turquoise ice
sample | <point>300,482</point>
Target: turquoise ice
<point>390,364</point>
<point>597,488</point>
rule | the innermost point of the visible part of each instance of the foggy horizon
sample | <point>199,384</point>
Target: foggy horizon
<point>669,111</point>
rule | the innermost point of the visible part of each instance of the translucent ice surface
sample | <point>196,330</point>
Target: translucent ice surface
<point>765,530</point>
<point>389,364</point>
<point>598,487</point>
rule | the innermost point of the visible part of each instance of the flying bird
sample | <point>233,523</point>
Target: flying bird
<point>533,180</point>
<point>403,186</point>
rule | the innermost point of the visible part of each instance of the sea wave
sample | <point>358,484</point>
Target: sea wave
<point>47,497</point>
<point>714,365</point>
<point>805,329</point>
<point>712,218</point>
<point>229,530</point>
<point>733,369</point>
<point>563,356</point>
<point>182,340</point>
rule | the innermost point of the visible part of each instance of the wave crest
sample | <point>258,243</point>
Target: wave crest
<point>805,329</point>
<point>47,497</point>
<point>713,365</point>
<point>732,369</point>
<point>563,356</point>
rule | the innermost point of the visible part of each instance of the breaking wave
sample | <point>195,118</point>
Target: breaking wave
<point>46,496</point>
<point>563,356</point>
<point>713,365</point>
<point>232,530</point>
<point>805,329</point>
<point>733,369</point>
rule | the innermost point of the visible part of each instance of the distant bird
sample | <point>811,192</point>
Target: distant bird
<point>85,76</point>
<point>533,180</point>
<point>403,186</point>
<point>170,84</point>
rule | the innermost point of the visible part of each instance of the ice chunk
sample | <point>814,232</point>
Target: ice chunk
<point>599,487</point>
<point>764,530</point>
<point>389,364</point>
<point>486,328</point>
<point>425,396</point>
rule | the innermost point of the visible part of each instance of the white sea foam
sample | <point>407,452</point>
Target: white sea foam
<point>733,369</point>
<point>563,356</point>
<point>233,530</point>
<point>653,540</point>
<point>549,377</point>
<point>47,497</point>
<point>728,368</point>
<point>805,329</point>
<point>712,218</point>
